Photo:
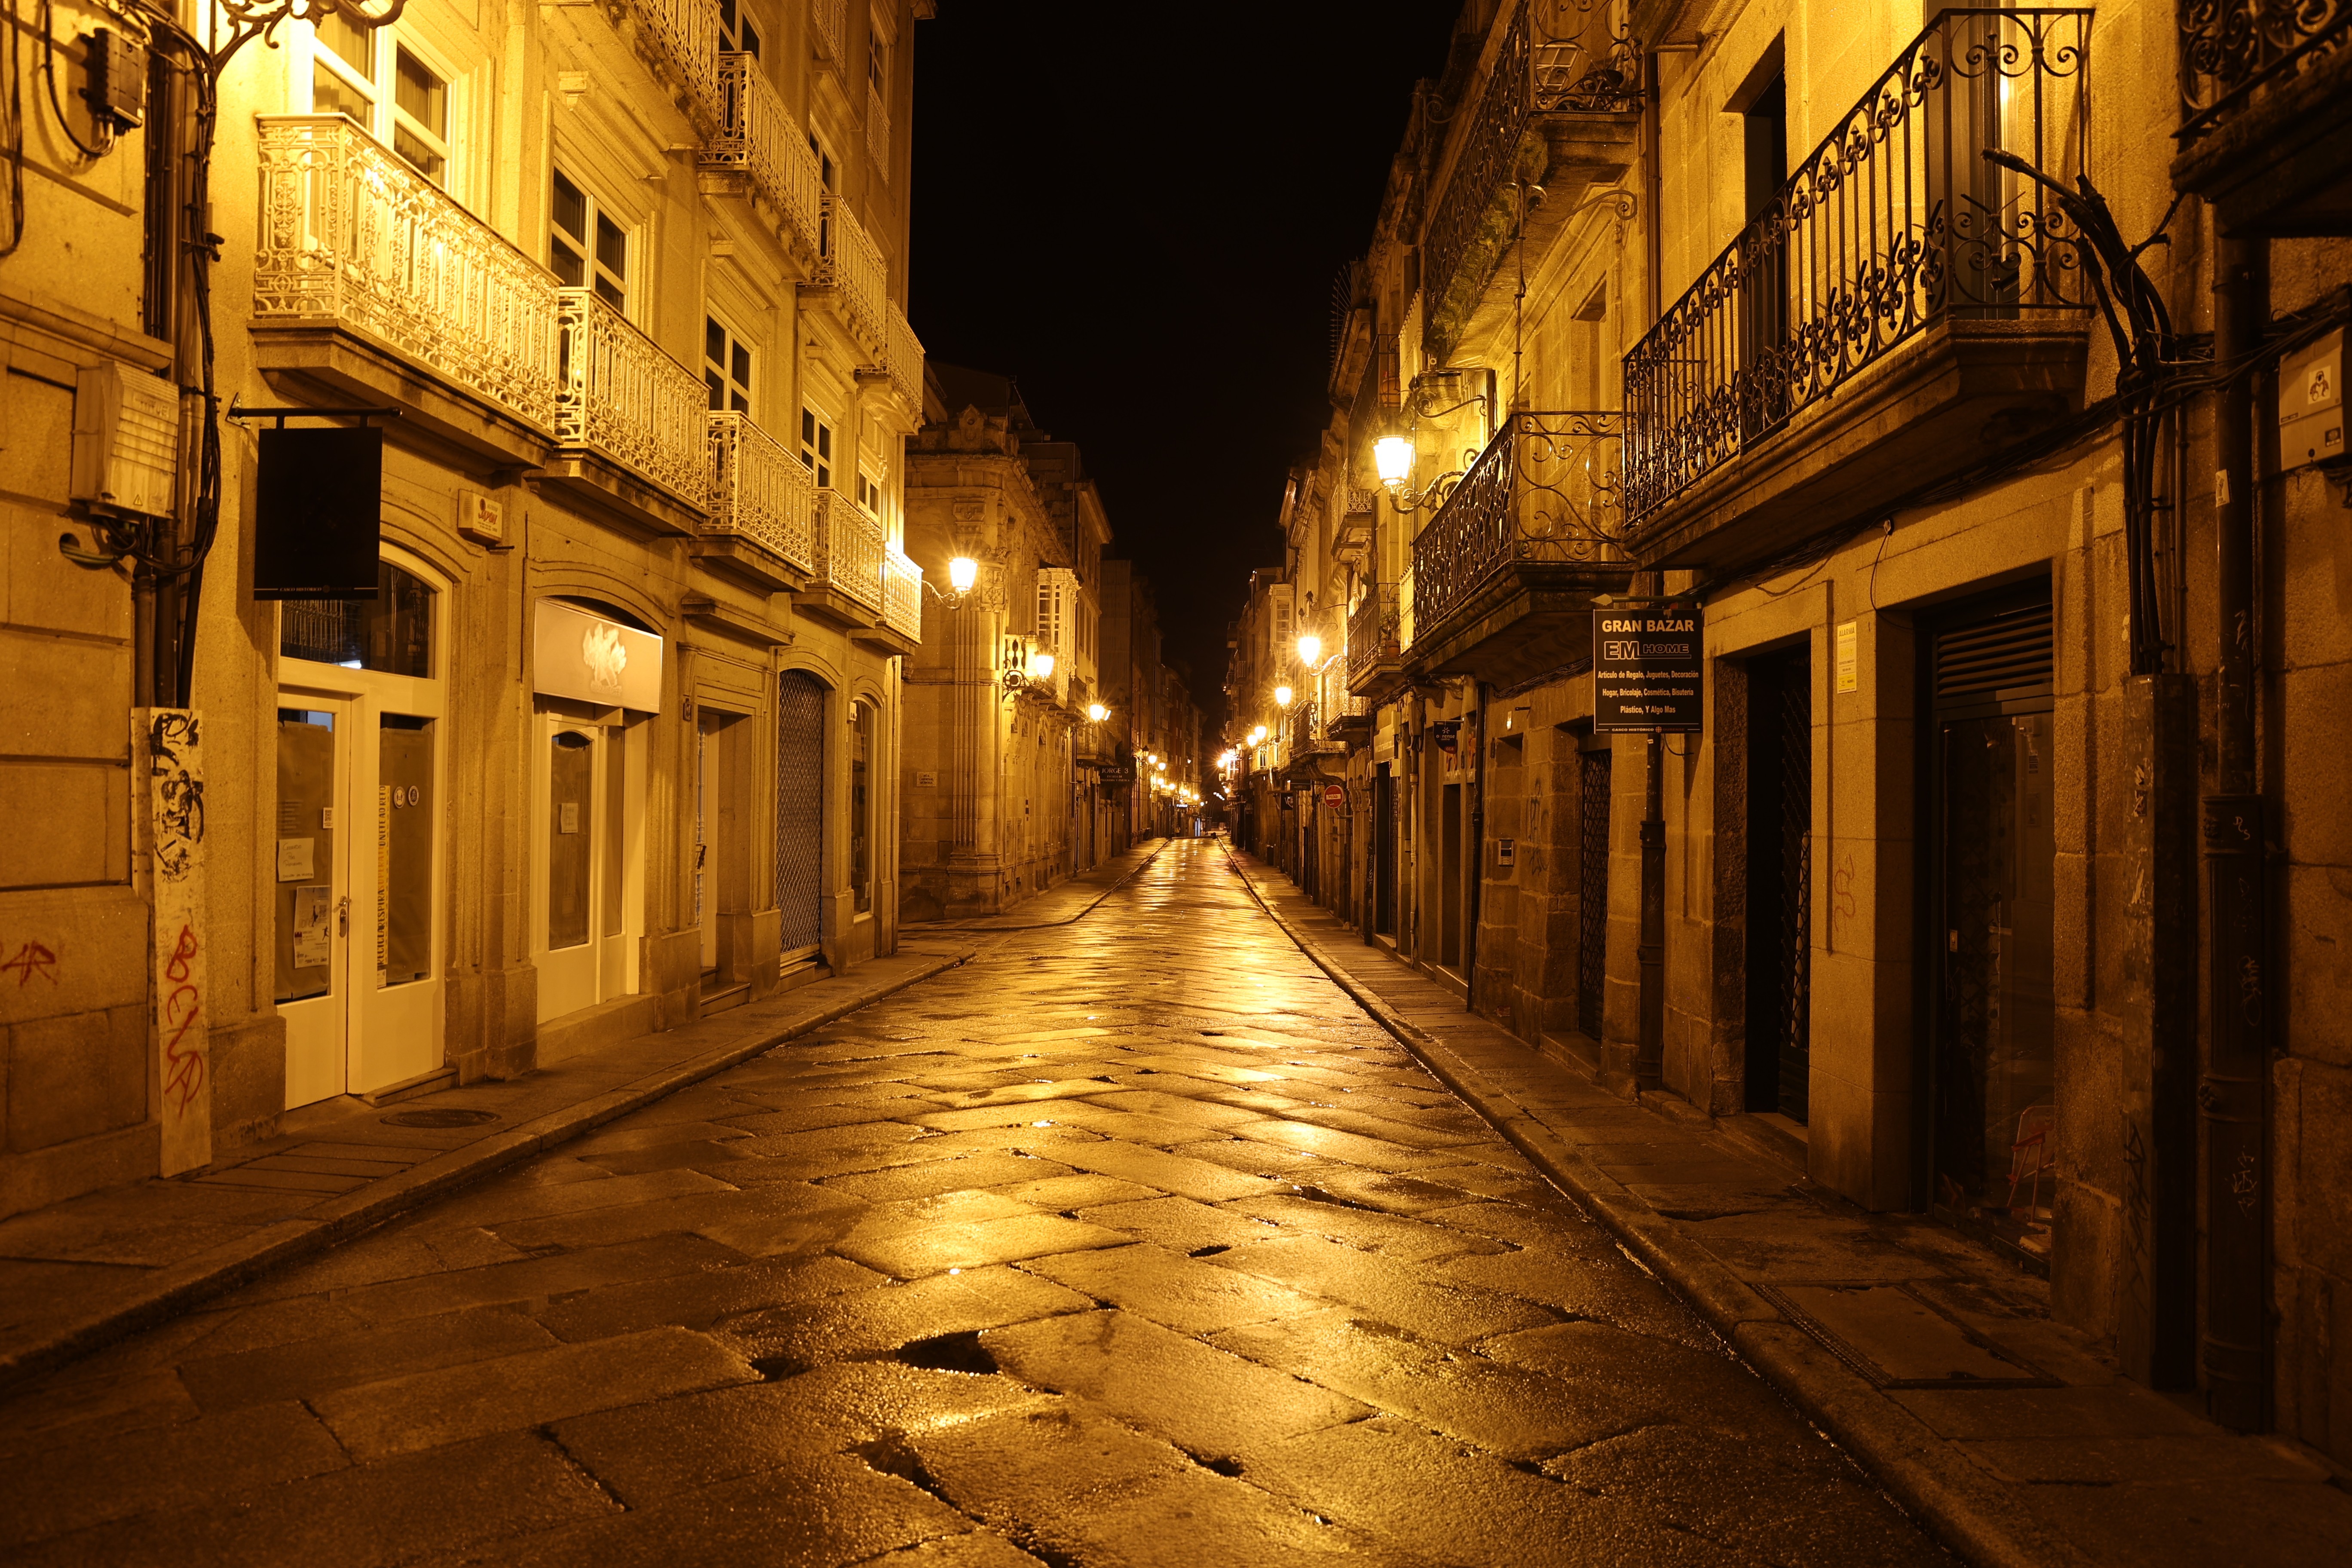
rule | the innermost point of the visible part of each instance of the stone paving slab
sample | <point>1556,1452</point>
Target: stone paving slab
<point>878,1341</point>
<point>2091,1470</point>
<point>160,1246</point>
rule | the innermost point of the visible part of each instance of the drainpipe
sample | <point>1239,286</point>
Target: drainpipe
<point>2234,1352</point>
<point>1477,851</point>
<point>1650,1048</point>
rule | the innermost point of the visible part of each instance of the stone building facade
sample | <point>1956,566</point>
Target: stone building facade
<point>1039,697</point>
<point>615,743</point>
<point>1995,883</point>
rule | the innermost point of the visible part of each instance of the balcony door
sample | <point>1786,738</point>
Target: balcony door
<point>801,764</point>
<point>358,851</point>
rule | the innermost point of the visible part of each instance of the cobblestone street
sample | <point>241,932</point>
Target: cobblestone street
<point>1133,1241</point>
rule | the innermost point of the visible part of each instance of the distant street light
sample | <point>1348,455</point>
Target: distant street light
<point>1282,697</point>
<point>1096,712</point>
<point>1310,648</point>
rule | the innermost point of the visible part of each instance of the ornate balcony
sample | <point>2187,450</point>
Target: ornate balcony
<point>847,588</point>
<point>1896,234</point>
<point>633,423</point>
<point>760,530</point>
<point>1374,653</point>
<point>2266,92</point>
<point>902,600</point>
<point>851,276</point>
<point>1359,525</point>
<point>685,39</point>
<point>758,143</point>
<point>1540,119</point>
<point>903,362</point>
<point>370,281</point>
<point>832,21</point>
<point>1506,572</point>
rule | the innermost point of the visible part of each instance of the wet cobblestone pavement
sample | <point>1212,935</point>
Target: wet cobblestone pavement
<point>1132,1242</point>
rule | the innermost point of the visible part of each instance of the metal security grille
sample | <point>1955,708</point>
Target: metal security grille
<point>800,809</point>
<point>1593,893</point>
<point>1792,955</point>
<point>2004,655</point>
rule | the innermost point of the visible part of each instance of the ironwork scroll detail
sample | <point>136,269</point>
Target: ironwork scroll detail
<point>1546,489</point>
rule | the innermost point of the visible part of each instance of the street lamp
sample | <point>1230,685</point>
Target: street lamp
<point>1096,712</point>
<point>1310,648</point>
<point>1392,456</point>
<point>1040,665</point>
<point>1257,735</point>
<point>962,573</point>
<point>1282,697</point>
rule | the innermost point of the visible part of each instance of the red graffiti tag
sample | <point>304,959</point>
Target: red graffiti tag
<point>184,1064</point>
<point>32,959</point>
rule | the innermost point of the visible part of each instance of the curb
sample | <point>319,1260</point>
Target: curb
<point>224,1268</point>
<point>1975,1516</point>
<point>1133,872</point>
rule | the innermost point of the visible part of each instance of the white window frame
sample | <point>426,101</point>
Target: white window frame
<point>379,88</point>
<point>736,341</point>
<point>593,207</point>
<point>741,36</point>
<point>814,451</point>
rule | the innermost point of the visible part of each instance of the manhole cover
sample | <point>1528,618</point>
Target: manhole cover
<point>438,1117</point>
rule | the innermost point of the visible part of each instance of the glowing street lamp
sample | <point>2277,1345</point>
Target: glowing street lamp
<point>1392,456</point>
<point>1310,648</point>
<point>1096,712</point>
<point>1282,697</point>
<point>962,573</point>
<point>1257,735</point>
<point>1040,665</point>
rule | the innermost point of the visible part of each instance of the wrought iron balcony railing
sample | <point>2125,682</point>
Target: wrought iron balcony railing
<point>620,396</point>
<point>849,550</point>
<point>1894,221</point>
<point>2235,51</point>
<point>758,136</point>
<point>1372,631</point>
<point>1546,489</point>
<point>832,20</point>
<point>1491,144</point>
<point>851,269</point>
<point>760,490</point>
<point>902,594</point>
<point>903,359</point>
<point>687,34</point>
<point>354,236</point>
<point>1405,589</point>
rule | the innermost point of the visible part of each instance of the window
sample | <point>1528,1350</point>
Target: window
<point>826,174</point>
<point>392,93</point>
<point>816,447</point>
<point>392,632</point>
<point>586,249</point>
<point>726,367</point>
<point>877,63</point>
<point>736,33</point>
<point>861,807</point>
<point>869,494</point>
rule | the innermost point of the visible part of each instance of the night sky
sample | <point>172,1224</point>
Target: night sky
<point>1137,212</point>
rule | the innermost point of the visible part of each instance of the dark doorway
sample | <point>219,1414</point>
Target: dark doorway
<point>1383,851</point>
<point>1592,890</point>
<point>1779,880</point>
<point>1449,873</point>
<point>1993,1126</point>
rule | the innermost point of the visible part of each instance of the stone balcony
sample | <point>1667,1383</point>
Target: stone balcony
<point>371,285</point>
<point>762,529</point>
<point>1503,577</point>
<point>850,278</point>
<point>846,589</point>
<point>759,150</point>
<point>632,423</point>
<point>1901,310</point>
<point>2267,137</point>
<point>679,39</point>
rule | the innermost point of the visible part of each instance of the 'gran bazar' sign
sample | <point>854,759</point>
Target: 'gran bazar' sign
<point>1647,668</point>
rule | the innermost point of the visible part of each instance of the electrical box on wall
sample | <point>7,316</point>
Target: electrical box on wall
<point>480,518</point>
<point>2311,403</point>
<point>117,89</point>
<point>126,440</point>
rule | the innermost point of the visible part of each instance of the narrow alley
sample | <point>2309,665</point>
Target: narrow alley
<point>1132,1241</point>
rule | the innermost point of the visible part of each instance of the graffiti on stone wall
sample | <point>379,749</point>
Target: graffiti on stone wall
<point>174,739</point>
<point>171,820</point>
<point>31,961</point>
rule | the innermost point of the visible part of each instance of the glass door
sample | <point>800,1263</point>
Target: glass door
<point>571,812</point>
<point>313,892</point>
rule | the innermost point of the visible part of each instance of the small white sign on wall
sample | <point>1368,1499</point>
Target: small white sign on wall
<point>1849,656</point>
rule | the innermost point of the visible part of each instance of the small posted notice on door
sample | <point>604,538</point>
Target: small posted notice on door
<point>294,856</point>
<point>311,916</point>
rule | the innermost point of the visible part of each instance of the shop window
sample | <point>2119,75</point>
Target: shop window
<point>392,632</point>
<point>586,248</point>
<point>726,367</point>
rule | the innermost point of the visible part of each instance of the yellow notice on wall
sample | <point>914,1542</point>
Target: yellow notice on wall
<point>1849,656</point>
<point>383,880</point>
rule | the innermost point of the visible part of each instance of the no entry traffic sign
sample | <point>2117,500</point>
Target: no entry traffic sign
<point>1648,668</point>
<point>1335,798</point>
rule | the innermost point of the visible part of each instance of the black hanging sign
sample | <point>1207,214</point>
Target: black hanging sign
<point>1647,668</point>
<point>317,524</point>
